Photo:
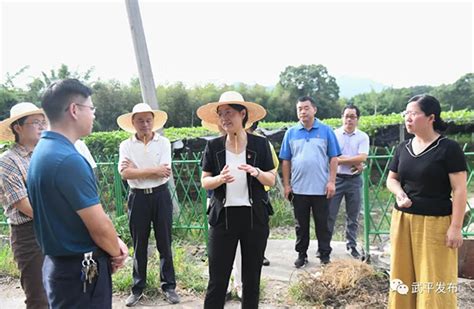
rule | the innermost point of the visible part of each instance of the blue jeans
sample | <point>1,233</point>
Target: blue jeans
<point>64,287</point>
<point>351,190</point>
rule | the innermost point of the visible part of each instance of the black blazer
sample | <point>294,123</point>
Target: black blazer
<point>258,154</point>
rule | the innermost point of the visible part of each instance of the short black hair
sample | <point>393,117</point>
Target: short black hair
<point>59,95</point>
<point>351,106</point>
<point>429,105</point>
<point>19,122</point>
<point>307,98</point>
<point>254,126</point>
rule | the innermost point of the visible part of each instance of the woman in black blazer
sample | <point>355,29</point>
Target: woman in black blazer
<point>236,166</point>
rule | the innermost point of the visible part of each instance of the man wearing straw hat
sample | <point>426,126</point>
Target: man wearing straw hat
<point>78,239</point>
<point>24,127</point>
<point>145,162</point>
<point>236,166</point>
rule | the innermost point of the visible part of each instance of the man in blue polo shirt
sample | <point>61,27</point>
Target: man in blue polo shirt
<point>309,154</point>
<point>71,227</point>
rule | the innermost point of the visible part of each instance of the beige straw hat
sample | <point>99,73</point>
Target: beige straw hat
<point>17,111</point>
<point>125,121</point>
<point>208,112</point>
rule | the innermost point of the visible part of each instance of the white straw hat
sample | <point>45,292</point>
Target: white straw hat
<point>125,121</point>
<point>17,111</point>
<point>208,112</point>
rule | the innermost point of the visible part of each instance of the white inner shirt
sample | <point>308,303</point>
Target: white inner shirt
<point>237,193</point>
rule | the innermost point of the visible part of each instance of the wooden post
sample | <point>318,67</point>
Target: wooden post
<point>141,54</point>
<point>401,132</point>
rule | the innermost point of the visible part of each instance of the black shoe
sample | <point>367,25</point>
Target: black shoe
<point>133,299</point>
<point>325,260</point>
<point>352,251</point>
<point>171,296</point>
<point>301,261</point>
<point>265,262</point>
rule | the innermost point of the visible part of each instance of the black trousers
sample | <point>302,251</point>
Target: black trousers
<point>143,210</point>
<point>65,289</point>
<point>235,224</point>
<point>319,206</point>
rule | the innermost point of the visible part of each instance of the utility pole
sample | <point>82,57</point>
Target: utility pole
<point>145,74</point>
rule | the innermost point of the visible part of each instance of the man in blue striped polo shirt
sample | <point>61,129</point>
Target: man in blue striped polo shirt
<point>309,154</point>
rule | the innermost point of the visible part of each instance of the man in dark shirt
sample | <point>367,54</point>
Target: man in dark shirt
<point>78,239</point>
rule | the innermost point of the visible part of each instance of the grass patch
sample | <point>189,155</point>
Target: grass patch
<point>8,265</point>
<point>189,271</point>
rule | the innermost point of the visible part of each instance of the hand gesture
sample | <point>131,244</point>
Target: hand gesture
<point>127,164</point>
<point>402,200</point>
<point>119,261</point>
<point>454,237</point>
<point>249,169</point>
<point>287,191</point>
<point>225,175</point>
<point>163,170</point>
<point>330,189</point>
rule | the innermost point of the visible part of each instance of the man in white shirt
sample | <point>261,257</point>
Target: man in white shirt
<point>145,162</point>
<point>354,148</point>
<point>82,148</point>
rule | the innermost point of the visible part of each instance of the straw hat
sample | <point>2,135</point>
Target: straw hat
<point>208,112</point>
<point>17,111</point>
<point>125,121</point>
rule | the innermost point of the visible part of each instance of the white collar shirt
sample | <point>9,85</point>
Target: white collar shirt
<point>156,152</point>
<point>352,144</point>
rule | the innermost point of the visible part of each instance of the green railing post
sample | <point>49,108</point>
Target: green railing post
<point>365,187</point>
<point>117,189</point>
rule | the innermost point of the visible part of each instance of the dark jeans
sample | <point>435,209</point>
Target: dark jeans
<point>143,210</point>
<point>222,247</point>
<point>318,205</point>
<point>351,189</point>
<point>64,287</point>
<point>29,258</point>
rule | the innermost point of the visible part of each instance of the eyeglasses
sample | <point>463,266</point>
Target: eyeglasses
<point>38,123</point>
<point>410,113</point>
<point>92,108</point>
<point>353,117</point>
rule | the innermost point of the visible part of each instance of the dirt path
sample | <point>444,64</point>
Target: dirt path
<point>276,278</point>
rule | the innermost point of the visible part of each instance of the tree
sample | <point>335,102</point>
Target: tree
<point>175,101</point>
<point>315,81</point>
<point>113,99</point>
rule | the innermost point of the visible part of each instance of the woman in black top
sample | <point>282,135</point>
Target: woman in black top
<point>236,166</point>
<point>426,223</point>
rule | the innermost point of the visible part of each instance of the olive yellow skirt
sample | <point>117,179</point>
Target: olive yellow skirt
<point>423,269</point>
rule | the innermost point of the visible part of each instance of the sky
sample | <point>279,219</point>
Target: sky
<point>398,44</point>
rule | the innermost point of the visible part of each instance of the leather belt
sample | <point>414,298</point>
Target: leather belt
<point>347,175</point>
<point>149,190</point>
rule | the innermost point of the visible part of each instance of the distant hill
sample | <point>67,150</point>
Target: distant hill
<point>351,86</point>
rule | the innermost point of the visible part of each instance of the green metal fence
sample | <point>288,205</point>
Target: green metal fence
<point>189,199</point>
<point>378,201</point>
